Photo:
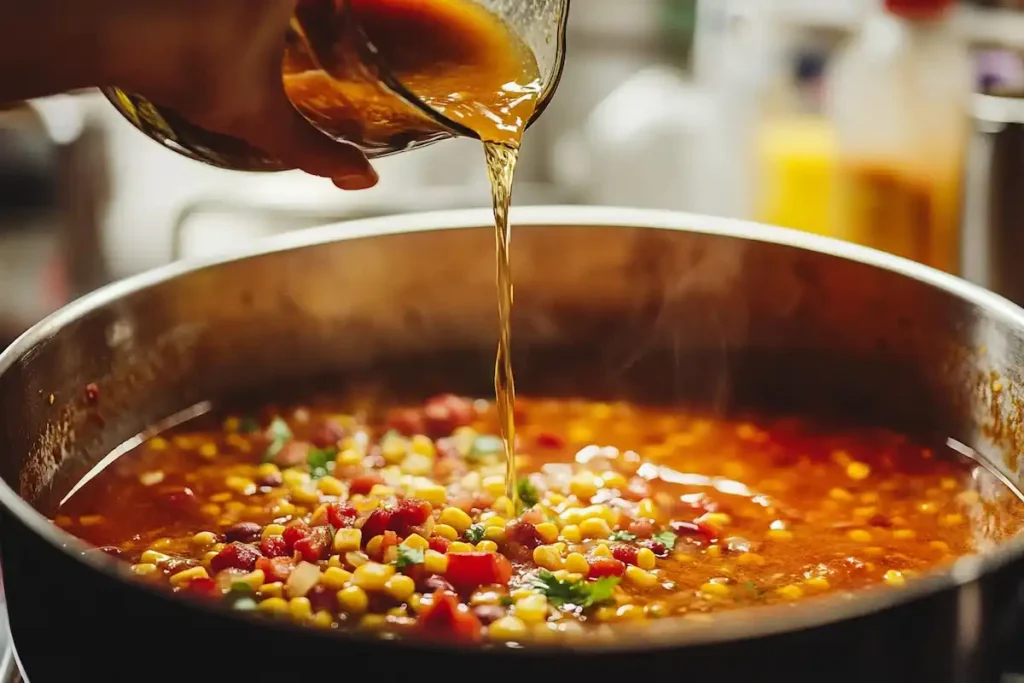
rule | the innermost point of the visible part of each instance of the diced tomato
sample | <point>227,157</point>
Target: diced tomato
<point>341,515</point>
<point>605,566</point>
<point>549,440</point>
<point>406,421</point>
<point>470,570</point>
<point>446,616</point>
<point>642,528</point>
<point>377,523</point>
<point>364,483</point>
<point>315,546</point>
<point>444,414</point>
<point>439,543</point>
<point>203,588</point>
<point>273,546</point>
<point>408,513</point>
<point>235,556</point>
<point>328,434</point>
<point>293,534</point>
<point>276,569</point>
<point>625,553</point>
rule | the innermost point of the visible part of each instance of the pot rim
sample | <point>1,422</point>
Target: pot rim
<point>729,626</point>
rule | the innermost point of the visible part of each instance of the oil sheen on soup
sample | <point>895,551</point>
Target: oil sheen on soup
<point>398,520</point>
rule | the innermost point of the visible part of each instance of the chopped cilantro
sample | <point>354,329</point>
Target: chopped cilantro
<point>280,434</point>
<point>408,556</point>
<point>582,594</point>
<point>241,587</point>
<point>475,533</point>
<point>527,493</point>
<point>505,601</point>
<point>622,535</point>
<point>248,425</point>
<point>666,537</point>
<point>485,445</point>
<point>318,459</point>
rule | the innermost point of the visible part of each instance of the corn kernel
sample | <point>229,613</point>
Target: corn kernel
<point>548,532</point>
<point>434,494</point>
<point>158,443</point>
<point>422,445</point>
<point>353,599</point>
<point>487,547</point>
<point>335,578</point>
<point>456,519</point>
<point>894,578</point>
<point>435,562</point>
<point>375,546</point>
<point>941,546</point>
<point>323,619</point>
<point>460,547</point>
<point>447,532</point>
<point>330,486</point>
<point>715,590</point>
<point>606,613</point>
<point>495,521</point>
<point>780,534</point>
<point>253,579</point>
<point>750,560</point>
<point>416,541</point>
<point>400,587</point>
<point>494,533</point>
<point>640,577</point>
<point>904,534</point>
<point>153,557</point>
<point>183,577</point>
<point>713,551</point>
<point>372,576</point>
<point>503,506</point>
<point>859,535</point>
<point>602,550</point>
<point>656,609</point>
<point>532,609</point>
<point>547,557</point>
<point>241,485</point>
<point>272,530</point>
<point>204,539</point>
<point>858,471</point>
<point>349,457</point>
<point>274,606</point>
<point>507,628</point>
<point>595,527</point>
<point>494,486</point>
<point>718,520</point>
<point>347,540</point>
<point>144,569</point>
<point>584,485</point>
<point>818,583</point>
<point>614,480</point>
<point>645,558</point>
<point>271,590</point>
<point>840,495</point>
<point>790,592</point>
<point>571,533</point>
<point>300,609</point>
<point>647,509</point>
<point>577,564</point>
<point>952,519</point>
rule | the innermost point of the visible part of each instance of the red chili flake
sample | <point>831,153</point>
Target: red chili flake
<point>92,392</point>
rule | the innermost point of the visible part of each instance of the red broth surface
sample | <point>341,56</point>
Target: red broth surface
<point>399,521</point>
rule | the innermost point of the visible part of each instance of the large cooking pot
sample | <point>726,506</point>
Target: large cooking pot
<point>655,306</point>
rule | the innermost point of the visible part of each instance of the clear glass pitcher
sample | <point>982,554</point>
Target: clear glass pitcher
<point>350,73</point>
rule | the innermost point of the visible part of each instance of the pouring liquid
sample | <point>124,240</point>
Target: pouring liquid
<point>468,65</point>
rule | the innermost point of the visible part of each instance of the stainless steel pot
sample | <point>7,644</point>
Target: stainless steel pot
<point>653,306</point>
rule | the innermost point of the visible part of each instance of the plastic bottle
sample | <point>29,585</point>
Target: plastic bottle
<point>899,96</point>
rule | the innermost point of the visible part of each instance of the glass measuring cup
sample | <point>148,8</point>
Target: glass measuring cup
<point>348,69</point>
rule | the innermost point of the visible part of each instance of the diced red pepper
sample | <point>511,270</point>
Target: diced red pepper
<point>203,588</point>
<point>444,414</point>
<point>293,534</point>
<point>273,546</point>
<point>439,544</point>
<point>625,553</point>
<point>406,421</point>
<point>364,483</point>
<point>315,546</point>
<point>377,523</point>
<point>276,569</point>
<point>446,616</point>
<point>601,567</point>
<point>235,556</point>
<point>408,513</point>
<point>341,515</point>
<point>470,570</point>
<point>549,440</point>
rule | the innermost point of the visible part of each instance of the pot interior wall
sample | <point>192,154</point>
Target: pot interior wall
<point>718,322</point>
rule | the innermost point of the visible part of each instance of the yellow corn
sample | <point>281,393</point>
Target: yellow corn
<point>859,535</point>
<point>434,494</point>
<point>894,578</point>
<point>330,486</point>
<point>577,564</point>
<point>416,541</point>
<point>640,577</point>
<point>144,569</point>
<point>353,599</point>
<point>374,545</point>
<point>435,562</point>
<point>183,577</point>
<point>271,590</point>
<point>323,619</point>
<point>647,509</point>
<point>584,485</point>
<point>460,547</point>
<point>204,539</point>
<point>571,533</point>
<point>858,471</point>
<point>241,485</point>
<point>532,609</point>
<point>300,609</point>
<point>503,506</point>
<point>547,557</point>
<point>335,578</point>
<point>904,534</point>
<point>347,540</point>
<point>274,606</point>
<point>272,530</point>
<point>818,583</point>
<point>456,519</point>
<point>750,560</point>
<point>790,592</point>
<point>645,558</point>
<point>595,527</point>
<point>400,587</point>
<point>602,550</point>
<point>614,480</point>
<point>507,628</point>
<point>780,534</point>
<point>372,576</point>
<point>495,521</point>
<point>494,486</point>
<point>547,531</point>
<point>495,533</point>
<point>840,495</point>
<point>253,579</point>
<point>447,532</point>
<point>153,557</point>
<point>487,547</point>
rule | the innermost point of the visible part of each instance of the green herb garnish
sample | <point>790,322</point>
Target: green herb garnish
<point>475,533</point>
<point>318,459</point>
<point>241,587</point>
<point>408,556</point>
<point>582,594</point>
<point>485,445</point>
<point>527,493</point>
<point>622,535</point>
<point>667,537</point>
<point>248,425</point>
<point>280,434</point>
<point>505,601</point>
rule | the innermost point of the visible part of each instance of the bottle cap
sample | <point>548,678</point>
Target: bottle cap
<point>918,9</point>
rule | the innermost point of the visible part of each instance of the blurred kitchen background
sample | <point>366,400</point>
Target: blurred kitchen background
<point>714,106</point>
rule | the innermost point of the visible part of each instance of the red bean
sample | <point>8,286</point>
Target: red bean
<point>235,556</point>
<point>657,547</point>
<point>243,532</point>
<point>523,533</point>
<point>178,497</point>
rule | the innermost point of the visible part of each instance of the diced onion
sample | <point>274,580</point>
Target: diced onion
<point>302,579</point>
